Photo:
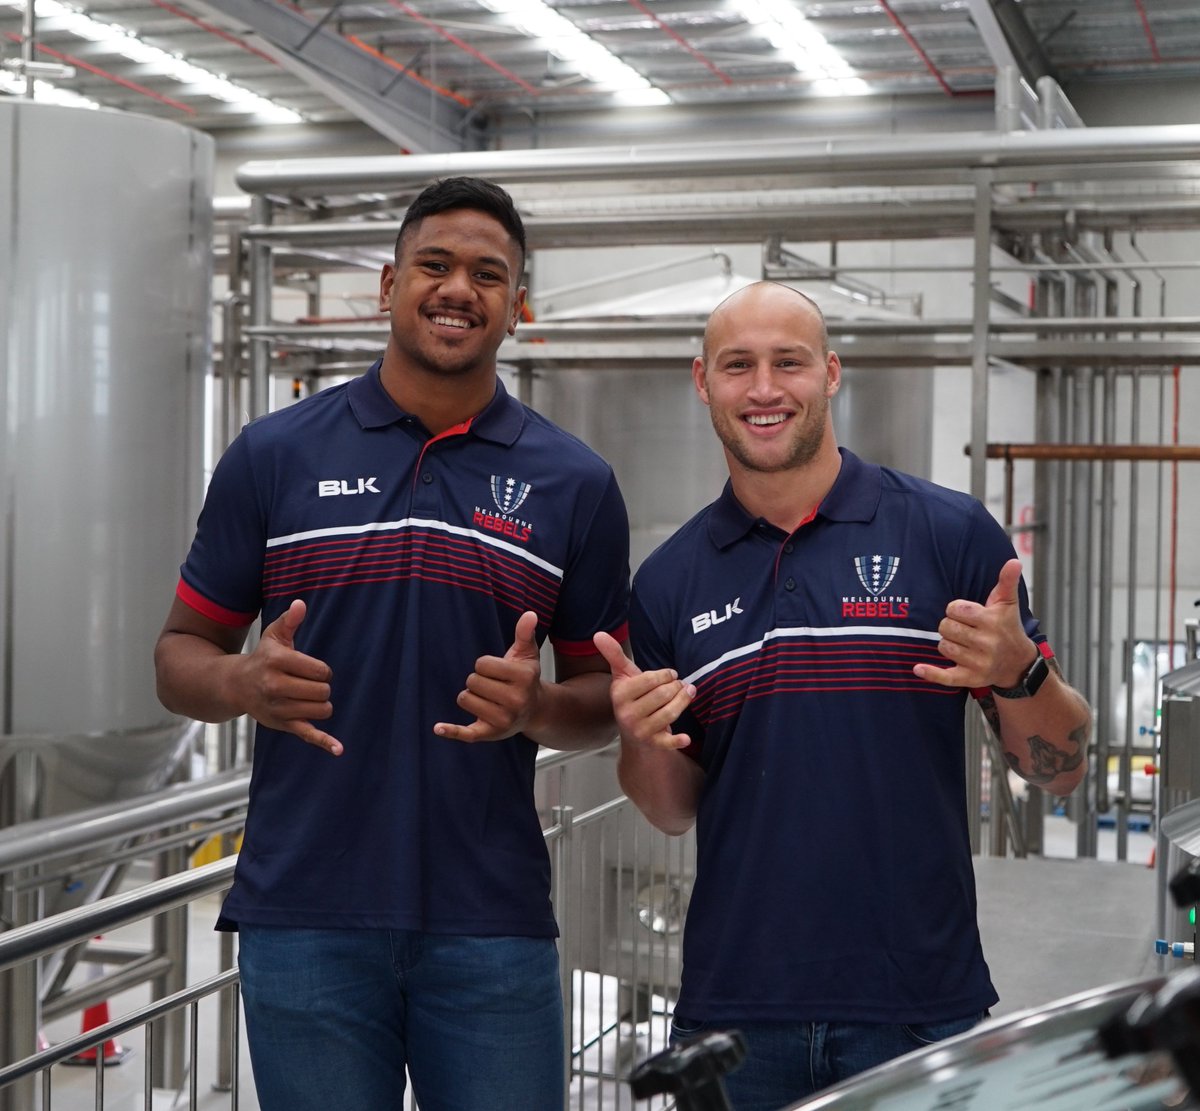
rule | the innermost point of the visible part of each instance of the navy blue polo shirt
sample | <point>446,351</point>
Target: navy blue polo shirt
<point>834,878</point>
<point>415,555</point>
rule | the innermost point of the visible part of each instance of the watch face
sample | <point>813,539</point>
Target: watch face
<point>1030,682</point>
<point>1036,675</point>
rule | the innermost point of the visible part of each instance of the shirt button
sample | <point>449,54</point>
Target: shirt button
<point>427,478</point>
<point>790,584</point>
<point>788,547</point>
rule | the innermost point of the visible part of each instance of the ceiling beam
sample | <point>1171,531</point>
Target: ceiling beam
<point>1009,38</point>
<point>396,104</point>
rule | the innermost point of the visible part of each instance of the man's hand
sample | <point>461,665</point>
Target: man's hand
<point>503,692</point>
<point>285,689</point>
<point>987,645</point>
<point>645,703</point>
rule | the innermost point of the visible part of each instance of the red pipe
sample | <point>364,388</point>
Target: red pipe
<point>448,93</point>
<point>725,78</point>
<point>79,63</point>
<point>215,31</point>
<point>449,36</point>
<point>1149,33</point>
<point>917,47</point>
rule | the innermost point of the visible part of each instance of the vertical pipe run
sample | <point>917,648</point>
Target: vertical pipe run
<point>1044,540</point>
<point>1079,665</point>
<point>28,37</point>
<point>170,938</point>
<point>1105,621</point>
<point>981,318</point>
<point>564,817</point>
<point>262,281</point>
<point>981,310</point>
<point>19,989</point>
<point>1131,579</point>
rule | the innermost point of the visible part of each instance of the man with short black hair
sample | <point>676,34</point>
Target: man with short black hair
<point>408,540</point>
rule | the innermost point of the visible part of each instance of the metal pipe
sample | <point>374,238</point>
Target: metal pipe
<point>1104,570</point>
<point>1126,781</point>
<point>28,46</point>
<point>643,329</point>
<point>38,938</point>
<point>1177,453</point>
<point>262,291</point>
<point>1079,589</point>
<point>36,841</point>
<point>170,932</point>
<point>1054,109</point>
<point>686,218</point>
<point>971,150</point>
<point>568,923</point>
<point>980,331</point>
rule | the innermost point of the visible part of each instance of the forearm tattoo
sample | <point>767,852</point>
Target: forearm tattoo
<point>1048,762</point>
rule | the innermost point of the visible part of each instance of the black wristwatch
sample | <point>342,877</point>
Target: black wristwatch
<point>1030,682</point>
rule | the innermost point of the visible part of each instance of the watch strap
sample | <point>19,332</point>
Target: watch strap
<point>1030,682</point>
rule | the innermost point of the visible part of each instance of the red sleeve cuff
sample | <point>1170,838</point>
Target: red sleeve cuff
<point>586,647</point>
<point>202,605</point>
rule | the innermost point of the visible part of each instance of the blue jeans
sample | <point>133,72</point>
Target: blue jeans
<point>333,1018</point>
<point>788,1061</point>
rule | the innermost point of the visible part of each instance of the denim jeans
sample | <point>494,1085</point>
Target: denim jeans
<point>333,1018</point>
<point>788,1061</point>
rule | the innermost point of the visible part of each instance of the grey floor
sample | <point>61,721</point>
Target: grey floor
<point>1051,927</point>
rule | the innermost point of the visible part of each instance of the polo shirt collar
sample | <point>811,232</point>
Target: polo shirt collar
<point>854,496</point>
<point>501,420</point>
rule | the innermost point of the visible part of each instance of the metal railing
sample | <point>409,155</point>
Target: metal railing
<point>619,888</point>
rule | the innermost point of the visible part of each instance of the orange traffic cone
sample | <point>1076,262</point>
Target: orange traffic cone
<point>94,1017</point>
<point>113,1053</point>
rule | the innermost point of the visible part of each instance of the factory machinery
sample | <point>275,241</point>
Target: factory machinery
<point>1054,266</point>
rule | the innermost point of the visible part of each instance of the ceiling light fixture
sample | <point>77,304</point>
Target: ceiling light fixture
<point>119,39</point>
<point>566,41</point>
<point>803,45</point>
<point>44,91</point>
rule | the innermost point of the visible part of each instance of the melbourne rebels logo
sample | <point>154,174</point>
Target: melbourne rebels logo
<point>508,493</point>
<point>875,573</point>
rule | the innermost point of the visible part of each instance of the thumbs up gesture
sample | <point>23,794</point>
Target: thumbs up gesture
<point>285,689</point>
<point>503,692</point>
<point>986,644</point>
<point>645,703</point>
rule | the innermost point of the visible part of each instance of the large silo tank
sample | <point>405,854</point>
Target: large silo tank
<point>105,286</point>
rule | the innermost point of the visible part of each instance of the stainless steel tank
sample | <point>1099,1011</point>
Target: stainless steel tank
<point>105,286</point>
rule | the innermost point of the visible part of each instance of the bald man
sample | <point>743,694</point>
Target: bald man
<point>805,647</point>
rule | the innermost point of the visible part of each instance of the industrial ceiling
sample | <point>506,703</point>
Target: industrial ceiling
<point>437,75</point>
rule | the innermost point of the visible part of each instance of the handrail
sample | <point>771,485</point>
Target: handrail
<point>85,828</point>
<point>65,1050</point>
<point>30,842</point>
<point>38,938</point>
<point>45,838</point>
